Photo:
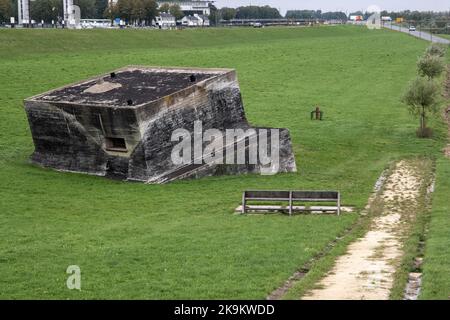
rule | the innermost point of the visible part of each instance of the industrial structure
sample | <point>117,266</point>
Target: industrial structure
<point>71,13</point>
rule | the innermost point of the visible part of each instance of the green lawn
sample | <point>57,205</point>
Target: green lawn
<point>182,240</point>
<point>436,269</point>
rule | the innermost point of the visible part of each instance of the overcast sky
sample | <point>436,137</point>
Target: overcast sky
<point>343,5</point>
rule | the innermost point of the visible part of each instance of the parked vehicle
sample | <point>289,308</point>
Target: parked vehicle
<point>412,28</point>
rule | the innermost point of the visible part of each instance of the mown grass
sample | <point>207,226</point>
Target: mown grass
<point>182,240</point>
<point>436,265</point>
<point>445,36</point>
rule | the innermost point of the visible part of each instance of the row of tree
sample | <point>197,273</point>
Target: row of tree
<point>246,12</point>
<point>48,10</point>
<point>173,9</point>
<point>130,10</point>
<point>422,96</point>
<point>135,10</point>
<point>255,12</point>
<point>315,14</point>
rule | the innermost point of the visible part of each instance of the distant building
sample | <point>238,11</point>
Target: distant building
<point>192,7</point>
<point>190,21</point>
<point>204,20</point>
<point>197,20</point>
<point>165,21</point>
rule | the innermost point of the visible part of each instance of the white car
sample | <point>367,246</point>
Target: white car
<point>412,28</point>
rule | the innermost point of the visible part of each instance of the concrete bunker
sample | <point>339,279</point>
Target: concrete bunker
<point>119,125</point>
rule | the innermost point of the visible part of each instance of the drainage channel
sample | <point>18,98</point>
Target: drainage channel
<point>414,284</point>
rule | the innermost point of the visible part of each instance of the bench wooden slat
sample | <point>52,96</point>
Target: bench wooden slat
<point>268,199</point>
<point>315,194</point>
<point>267,194</point>
<point>314,200</point>
<point>291,196</point>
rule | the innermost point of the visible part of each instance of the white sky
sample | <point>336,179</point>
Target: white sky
<point>343,5</point>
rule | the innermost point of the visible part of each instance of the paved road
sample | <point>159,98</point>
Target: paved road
<point>419,34</point>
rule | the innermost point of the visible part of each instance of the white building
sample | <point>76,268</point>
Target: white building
<point>165,21</point>
<point>191,7</point>
<point>190,21</point>
<point>203,20</point>
<point>196,20</point>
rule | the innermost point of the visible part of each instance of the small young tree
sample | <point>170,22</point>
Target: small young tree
<point>430,66</point>
<point>421,97</point>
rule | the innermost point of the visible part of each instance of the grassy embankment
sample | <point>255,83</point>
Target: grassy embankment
<point>182,240</point>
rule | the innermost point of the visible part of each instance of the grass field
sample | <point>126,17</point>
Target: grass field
<point>437,254</point>
<point>182,240</point>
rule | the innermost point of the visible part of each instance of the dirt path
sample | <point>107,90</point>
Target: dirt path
<point>367,270</point>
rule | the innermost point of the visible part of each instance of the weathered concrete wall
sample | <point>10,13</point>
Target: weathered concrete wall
<point>286,164</point>
<point>73,139</point>
<point>218,105</point>
<point>72,136</point>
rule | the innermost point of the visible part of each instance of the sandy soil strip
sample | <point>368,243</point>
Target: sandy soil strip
<point>367,270</point>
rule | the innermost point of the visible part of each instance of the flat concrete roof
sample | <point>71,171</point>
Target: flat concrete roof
<point>130,86</point>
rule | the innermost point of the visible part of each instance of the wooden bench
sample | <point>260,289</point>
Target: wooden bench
<point>291,197</point>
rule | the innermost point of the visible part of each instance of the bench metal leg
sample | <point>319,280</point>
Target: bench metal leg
<point>243,203</point>
<point>339,205</point>
<point>290,203</point>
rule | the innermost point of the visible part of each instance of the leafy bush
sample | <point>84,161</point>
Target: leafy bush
<point>430,66</point>
<point>436,50</point>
